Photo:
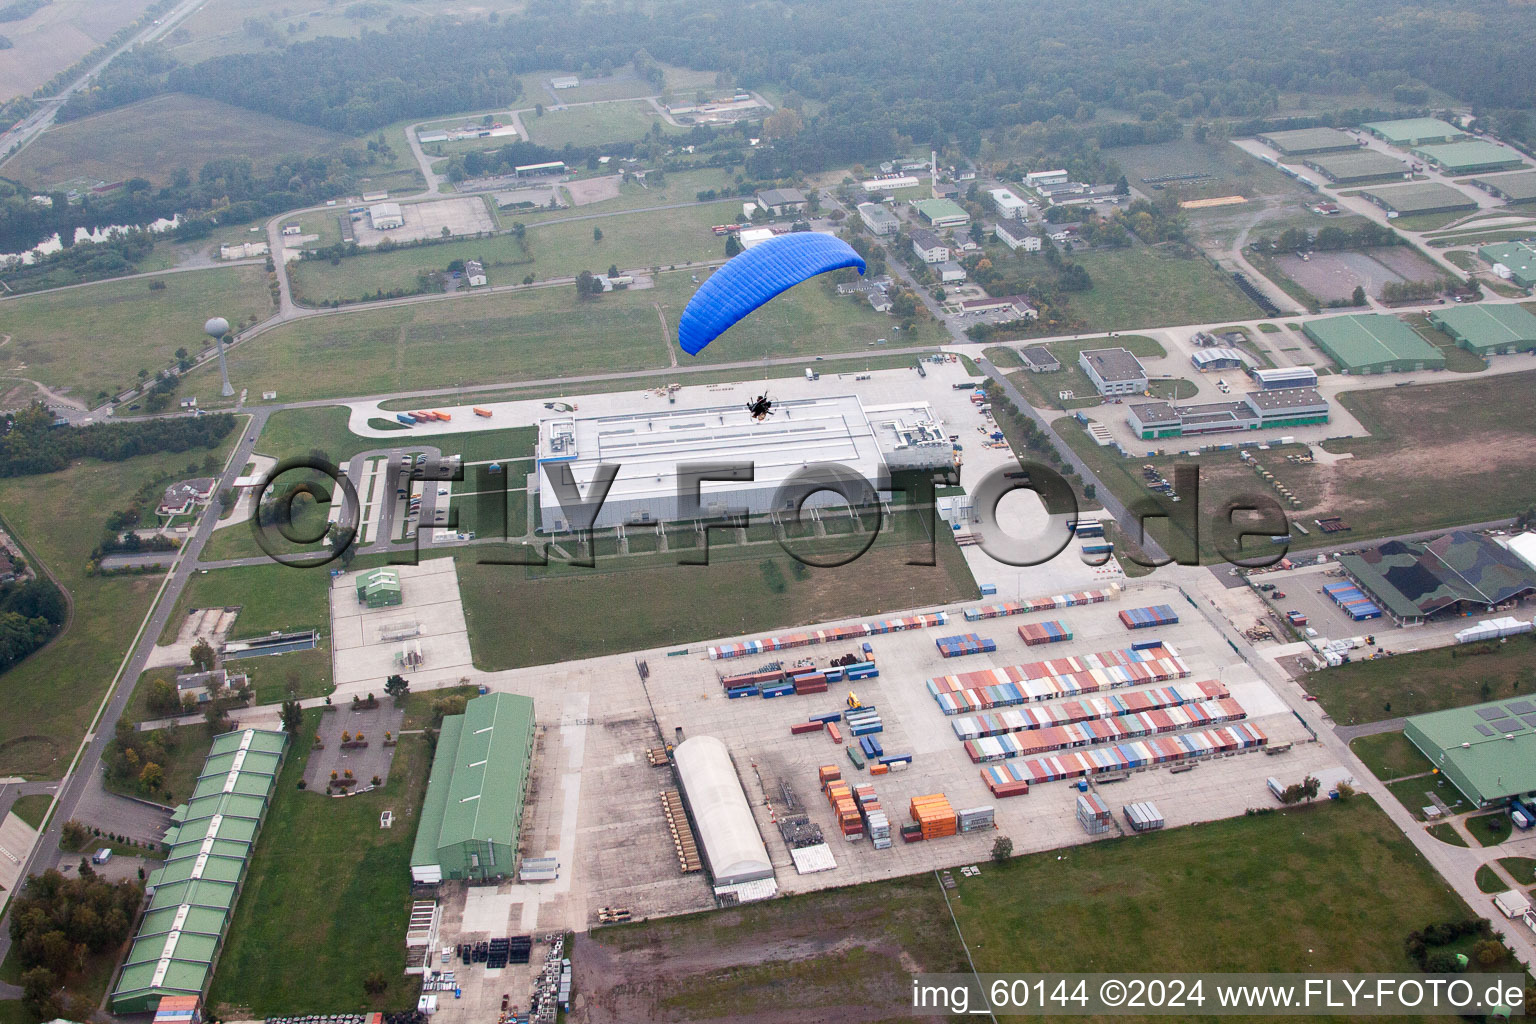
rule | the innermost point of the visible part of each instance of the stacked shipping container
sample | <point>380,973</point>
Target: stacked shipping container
<point>1093,814</point>
<point>1146,618</point>
<point>975,819</point>
<point>1041,604</point>
<point>997,723</point>
<point>1104,730</point>
<point>829,635</point>
<point>1136,754</point>
<point>1061,677</point>
<point>934,816</point>
<point>1142,817</point>
<point>968,643</point>
<point>840,797</point>
<point>1353,600</point>
<point>1051,632</point>
<point>863,721</point>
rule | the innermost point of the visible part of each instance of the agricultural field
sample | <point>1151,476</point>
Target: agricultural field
<point>55,37</point>
<point>58,517</point>
<point>151,139</point>
<point>1144,287</point>
<point>95,338</point>
<point>595,125</point>
<point>1286,872</point>
<point>1412,684</point>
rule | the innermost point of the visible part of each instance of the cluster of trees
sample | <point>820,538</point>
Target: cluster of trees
<point>31,613</point>
<point>137,759</point>
<point>1307,789</point>
<point>1411,291</point>
<point>1487,951</point>
<point>1035,439</point>
<point>58,924</point>
<point>1329,238</point>
<point>31,444</point>
<point>19,9</point>
<point>135,75</point>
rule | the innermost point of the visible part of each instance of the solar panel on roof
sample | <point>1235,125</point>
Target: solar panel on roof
<point>1521,707</point>
<point>1529,720</point>
<point>1510,725</point>
<point>1485,730</point>
<point>1489,714</point>
<point>1498,713</point>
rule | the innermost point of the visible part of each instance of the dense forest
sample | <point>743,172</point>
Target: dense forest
<point>31,444</point>
<point>31,613</point>
<point>57,923</point>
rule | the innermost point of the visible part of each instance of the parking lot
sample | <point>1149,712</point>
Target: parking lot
<point>464,216</point>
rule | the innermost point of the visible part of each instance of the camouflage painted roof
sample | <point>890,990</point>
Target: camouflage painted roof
<point>1415,579</point>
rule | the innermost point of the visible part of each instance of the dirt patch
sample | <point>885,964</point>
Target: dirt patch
<point>29,755</point>
<point>593,190</point>
<point>1334,276</point>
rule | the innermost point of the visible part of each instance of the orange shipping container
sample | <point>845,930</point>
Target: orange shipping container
<point>879,769</point>
<point>482,412</point>
<point>834,732</point>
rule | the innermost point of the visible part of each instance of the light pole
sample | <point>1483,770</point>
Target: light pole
<point>216,328</point>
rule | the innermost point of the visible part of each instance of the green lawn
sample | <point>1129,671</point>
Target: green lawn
<point>1488,880</point>
<point>1141,287</point>
<point>1413,794</point>
<point>594,125</point>
<point>1447,834</point>
<point>324,869</point>
<point>97,337</point>
<point>1490,829</point>
<point>1390,756</point>
<point>1412,684</point>
<point>291,432</point>
<point>676,187</point>
<point>1521,869</point>
<point>31,809</point>
<point>645,601</point>
<point>52,696</point>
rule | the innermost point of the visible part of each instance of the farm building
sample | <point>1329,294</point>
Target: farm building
<point>728,837</point>
<point>1420,197</point>
<point>1488,330</point>
<point>878,219</point>
<point>1373,343</point>
<point>1258,410</point>
<point>1040,359</point>
<point>1360,165</point>
<point>383,216</point>
<point>379,588</point>
<point>1519,187</point>
<point>1113,371</point>
<point>1218,359</point>
<point>1300,141</point>
<point>1488,751</point>
<point>473,810</point>
<point>192,894</point>
<point>1460,573</point>
<point>1284,377</point>
<point>1475,157</point>
<point>1414,131</point>
<point>649,448</point>
<point>1517,258</point>
<point>942,213</point>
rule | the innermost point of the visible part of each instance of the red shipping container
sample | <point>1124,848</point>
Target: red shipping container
<point>804,727</point>
<point>834,732</point>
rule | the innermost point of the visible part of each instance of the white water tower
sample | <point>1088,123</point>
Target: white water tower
<point>216,328</point>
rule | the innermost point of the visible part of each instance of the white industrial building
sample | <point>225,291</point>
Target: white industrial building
<point>878,219</point>
<point>649,447</point>
<point>1016,235</point>
<point>1009,206</point>
<point>1038,178</point>
<point>1284,377</point>
<point>1522,546</point>
<point>383,216</point>
<point>728,835</point>
<point>1114,371</point>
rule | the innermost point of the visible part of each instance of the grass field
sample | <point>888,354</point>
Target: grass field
<point>1488,880</point>
<point>1446,833</point>
<point>31,809</point>
<point>97,337</point>
<point>324,869</point>
<point>553,249</point>
<point>1489,829</point>
<point>1243,894</point>
<point>1521,869</point>
<point>51,697</point>
<point>1233,171</point>
<point>152,138</point>
<point>1140,287</point>
<point>1389,756</point>
<point>1424,681</point>
<point>649,601</point>
<point>1414,794</point>
<point>677,187</point>
<point>595,125</point>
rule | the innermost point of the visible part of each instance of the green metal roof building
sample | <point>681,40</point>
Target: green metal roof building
<point>942,213</point>
<point>1519,257</point>
<point>1373,343</point>
<point>1472,157</point>
<point>1420,197</point>
<point>473,810</point>
<point>1414,131</point>
<point>1488,751</point>
<point>1357,165</point>
<point>1298,141</point>
<point>192,896</point>
<point>379,588</point>
<point>1519,187</point>
<point>1488,330</point>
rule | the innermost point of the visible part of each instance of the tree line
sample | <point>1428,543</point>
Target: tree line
<point>57,924</point>
<point>30,444</point>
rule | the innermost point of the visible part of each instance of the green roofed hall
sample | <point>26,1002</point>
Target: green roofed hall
<point>1519,187</point>
<point>942,213</point>
<point>473,810</point>
<point>192,895</point>
<point>1360,165</point>
<point>1488,751</point>
<point>1420,197</point>
<point>1488,330</point>
<point>379,588</point>
<point>1414,131</point>
<point>1297,141</point>
<point>1517,258</point>
<point>1469,157</point>
<point>1373,343</point>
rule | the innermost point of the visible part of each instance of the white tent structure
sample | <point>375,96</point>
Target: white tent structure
<point>732,845</point>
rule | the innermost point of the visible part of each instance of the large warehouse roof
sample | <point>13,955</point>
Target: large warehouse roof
<point>1410,131</point>
<point>732,845</point>
<point>1467,157</point>
<point>1486,328</point>
<point>1420,197</point>
<point>478,777</point>
<point>1456,572</point>
<point>1487,750</point>
<point>1519,257</point>
<point>194,892</point>
<point>1371,340</point>
<point>1308,140</point>
<point>1516,187</point>
<point>1357,165</point>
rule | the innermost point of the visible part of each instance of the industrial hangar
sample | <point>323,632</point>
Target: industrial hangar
<point>1360,165</point>
<point>649,448</point>
<point>1302,141</point>
<point>1420,197</point>
<point>1517,258</point>
<point>1414,131</point>
<point>1373,343</point>
<point>1289,407</point>
<point>1488,330</point>
<point>1475,157</point>
<point>1459,573</point>
<point>1519,187</point>
<point>1488,751</point>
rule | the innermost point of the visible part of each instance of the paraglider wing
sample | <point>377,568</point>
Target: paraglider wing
<point>753,277</point>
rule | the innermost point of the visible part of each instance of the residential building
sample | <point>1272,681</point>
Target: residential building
<point>1017,235</point>
<point>1113,371</point>
<point>929,247</point>
<point>1009,206</point>
<point>879,219</point>
<point>951,272</point>
<point>781,202</point>
<point>474,273</point>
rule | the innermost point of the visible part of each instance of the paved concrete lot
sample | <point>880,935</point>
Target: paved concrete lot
<point>365,640</point>
<point>363,762</point>
<point>464,216</point>
<point>16,839</point>
<point>1333,276</point>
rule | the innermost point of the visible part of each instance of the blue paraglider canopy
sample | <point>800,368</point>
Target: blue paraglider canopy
<point>753,277</point>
